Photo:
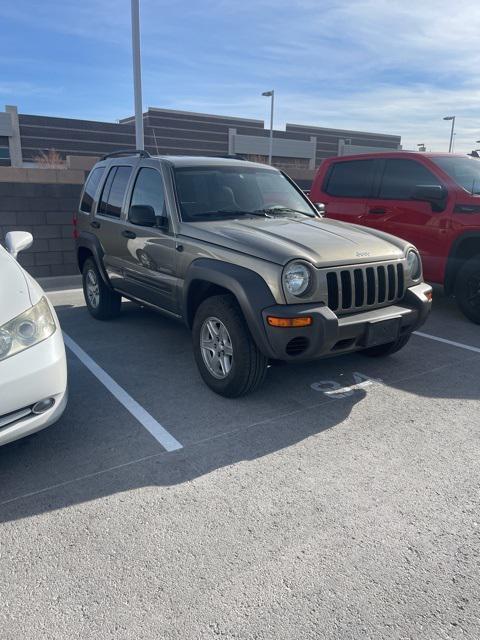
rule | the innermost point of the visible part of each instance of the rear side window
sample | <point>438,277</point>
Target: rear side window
<point>114,192</point>
<point>351,179</point>
<point>400,177</point>
<point>90,189</point>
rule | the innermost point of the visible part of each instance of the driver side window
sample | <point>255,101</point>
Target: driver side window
<point>401,177</point>
<point>149,191</point>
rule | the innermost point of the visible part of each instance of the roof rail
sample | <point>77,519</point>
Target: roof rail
<point>231,156</point>
<point>137,152</point>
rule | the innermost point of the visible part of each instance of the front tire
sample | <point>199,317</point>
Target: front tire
<point>387,349</point>
<point>226,355</point>
<point>102,302</point>
<point>467,289</point>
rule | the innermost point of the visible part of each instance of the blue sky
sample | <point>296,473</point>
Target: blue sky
<point>379,65</point>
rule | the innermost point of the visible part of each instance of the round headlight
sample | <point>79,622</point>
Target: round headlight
<point>296,278</point>
<point>5,343</point>
<point>27,331</point>
<point>414,264</point>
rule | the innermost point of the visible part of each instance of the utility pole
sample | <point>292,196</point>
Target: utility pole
<point>452,118</point>
<point>137,75</point>
<point>270,94</point>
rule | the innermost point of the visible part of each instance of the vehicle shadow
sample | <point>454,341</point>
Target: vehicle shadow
<point>56,458</point>
<point>98,449</point>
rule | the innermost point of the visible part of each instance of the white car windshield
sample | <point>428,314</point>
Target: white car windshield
<point>208,192</point>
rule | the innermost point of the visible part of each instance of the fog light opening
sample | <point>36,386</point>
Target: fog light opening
<point>42,406</point>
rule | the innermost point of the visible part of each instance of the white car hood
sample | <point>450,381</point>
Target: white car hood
<point>16,293</point>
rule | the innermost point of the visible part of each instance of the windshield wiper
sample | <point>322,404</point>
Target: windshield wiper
<point>280,209</point>
<point>229,212</point>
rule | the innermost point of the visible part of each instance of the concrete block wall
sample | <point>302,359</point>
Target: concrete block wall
<point>42,201</point>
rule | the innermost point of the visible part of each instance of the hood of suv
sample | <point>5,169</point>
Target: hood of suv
<point>14,290</point>
<point>321,241</point>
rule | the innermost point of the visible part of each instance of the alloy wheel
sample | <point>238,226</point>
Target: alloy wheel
<point>216,347</point>
<point>93,289</point>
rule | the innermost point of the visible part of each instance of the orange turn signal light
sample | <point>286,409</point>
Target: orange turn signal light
<point>429,295</point>
<point>302,321</point>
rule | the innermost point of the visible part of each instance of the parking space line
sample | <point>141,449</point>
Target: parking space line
<point>132,406</point>
<point>461,345</point>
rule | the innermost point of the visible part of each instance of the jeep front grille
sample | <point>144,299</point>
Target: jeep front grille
<point>366,286</point>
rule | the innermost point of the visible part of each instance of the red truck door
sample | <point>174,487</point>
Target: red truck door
<point>345,188</point>
<point>395,211</point>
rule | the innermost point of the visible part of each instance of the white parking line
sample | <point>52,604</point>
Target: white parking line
<point>451,342</point>
<point>155,428</point>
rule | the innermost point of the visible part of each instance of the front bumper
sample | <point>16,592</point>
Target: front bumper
<point>330,334</point>
<point>28,377</point>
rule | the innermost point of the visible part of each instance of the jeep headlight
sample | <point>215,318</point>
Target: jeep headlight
<point>414,265</point>
<point>296,278</point>
<point>29,328</point>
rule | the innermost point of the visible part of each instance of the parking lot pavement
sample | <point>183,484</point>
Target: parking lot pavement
<point>340,501</point>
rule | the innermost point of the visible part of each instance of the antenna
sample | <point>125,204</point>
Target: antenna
<point>155,138</point>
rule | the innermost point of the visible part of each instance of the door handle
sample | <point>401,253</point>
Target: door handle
<point>377,210</point>
<point>128,234</point>
<point>95,224</point>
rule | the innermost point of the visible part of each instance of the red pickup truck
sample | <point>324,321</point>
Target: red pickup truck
<point>429,199</point>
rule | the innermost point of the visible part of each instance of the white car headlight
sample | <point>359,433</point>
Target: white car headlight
<point>296,278</point>
<point>414,265</point>
<point>29,328</point>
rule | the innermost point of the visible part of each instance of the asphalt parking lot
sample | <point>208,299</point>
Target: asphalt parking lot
<point>340,501</point>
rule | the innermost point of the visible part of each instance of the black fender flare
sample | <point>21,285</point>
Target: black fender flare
<point>249,288</point>
<point>453,263</point>
<point>92,243</point>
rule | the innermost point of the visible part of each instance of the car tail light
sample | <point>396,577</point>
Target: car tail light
<point>75,229</point>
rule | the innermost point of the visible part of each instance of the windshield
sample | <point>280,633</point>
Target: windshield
<point>226,191</point>
<point>464,170</point>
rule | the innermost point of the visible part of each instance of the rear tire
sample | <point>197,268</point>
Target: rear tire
<point>102,302</point>
<point>467,289</point>
<point>226,355</point>
<point>387,349</point>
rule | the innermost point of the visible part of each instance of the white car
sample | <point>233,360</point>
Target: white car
<point>33,367</point>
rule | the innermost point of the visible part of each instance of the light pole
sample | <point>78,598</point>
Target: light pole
<point>137,75</point>
<point>270,94</point>
<point>452,118</point>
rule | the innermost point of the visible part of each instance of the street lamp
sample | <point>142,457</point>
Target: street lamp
<point>270,94</point>
<point>137,75</point>
<point>452,118</point>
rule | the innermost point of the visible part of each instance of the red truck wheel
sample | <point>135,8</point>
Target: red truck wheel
<point>467,289</point>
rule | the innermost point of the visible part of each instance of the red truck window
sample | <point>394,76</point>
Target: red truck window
<point>350,179</point>
<point>400,177</point>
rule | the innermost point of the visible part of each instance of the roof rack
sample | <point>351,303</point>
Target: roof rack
<point>138,152</point>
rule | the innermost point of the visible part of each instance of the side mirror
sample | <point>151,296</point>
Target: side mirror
<point>433,193</point>
<point>17,241</point>
<point>320,208</point>
<point>143,215</point>
<point>162,222</point>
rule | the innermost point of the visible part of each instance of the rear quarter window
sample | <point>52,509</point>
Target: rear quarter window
<point>91,187</point>
<point>350,179</point>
